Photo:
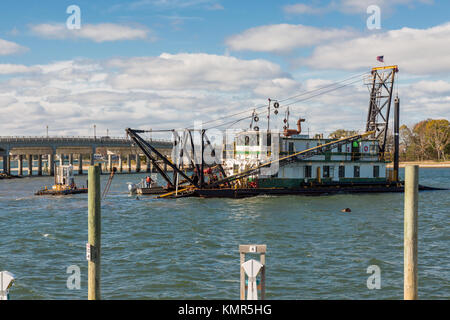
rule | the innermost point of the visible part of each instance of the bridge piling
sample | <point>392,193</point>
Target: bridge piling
<point>20,165</point>
<point>147,164</point>
<point>110,163</point>
<point>39,160</point>
<point>51,164</point>
<point>30,164</point>
<point>80,163</point>
<point>129,163</point>
<point>120,163</point>
<point>138,163</point>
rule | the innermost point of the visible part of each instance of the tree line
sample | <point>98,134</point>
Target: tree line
<point>426,140</point>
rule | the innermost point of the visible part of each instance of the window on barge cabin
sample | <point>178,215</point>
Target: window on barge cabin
<point>247,140</point>
<point>356,171</point>
<point>326,171</point>
<point>376,171</point>
<point>308,171</point>
<point>341,171</point>
<point>339,148</point>
<point>291,147</point>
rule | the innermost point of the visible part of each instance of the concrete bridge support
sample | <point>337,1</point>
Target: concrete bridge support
<point>138,163</point>
<point>51,164</point>
<point>20,165</point>
<point>71,158</point>
<point>61,159</point>
<point>30,164</point>
<point>147,164</point>
<point>129,162</point>
<point>110,163</point>
<point>80,163</point>
<point>120,163</point>
<point>7,164</point>
<point>39,172</point>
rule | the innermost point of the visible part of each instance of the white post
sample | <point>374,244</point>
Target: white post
<point>6,281</point>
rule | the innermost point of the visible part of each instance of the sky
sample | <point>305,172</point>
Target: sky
<point>165,64</point>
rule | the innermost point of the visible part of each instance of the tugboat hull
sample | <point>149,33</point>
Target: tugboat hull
<point>60,192</point>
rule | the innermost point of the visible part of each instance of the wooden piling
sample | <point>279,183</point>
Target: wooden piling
<point>410,232</point>
<point>94,237</point>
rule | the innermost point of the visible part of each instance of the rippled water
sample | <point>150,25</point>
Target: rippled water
<point>188,248</point>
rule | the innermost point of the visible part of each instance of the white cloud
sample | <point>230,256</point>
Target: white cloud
<point>192,71</point>
<point>284,37</point>
<point>8,47</point>
<point>102,32</point>
<point>350,6</point>
<point>17,68</point>
<point>174,90</point>
<point>166,91</point>
<point>301,8</point>
<point>416,51</point>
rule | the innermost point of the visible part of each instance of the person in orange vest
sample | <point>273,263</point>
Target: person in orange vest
<point>149,181</point>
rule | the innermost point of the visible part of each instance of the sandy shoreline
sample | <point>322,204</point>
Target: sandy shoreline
<point>423,164</point>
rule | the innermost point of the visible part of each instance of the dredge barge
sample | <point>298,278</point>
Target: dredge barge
<point>287,162</point>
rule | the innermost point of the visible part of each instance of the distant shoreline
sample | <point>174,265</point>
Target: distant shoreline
<point>423,164</point>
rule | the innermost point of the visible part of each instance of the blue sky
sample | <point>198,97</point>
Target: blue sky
<point>114,71</point>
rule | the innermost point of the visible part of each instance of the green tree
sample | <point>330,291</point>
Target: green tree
<point>342,133</point>
<point>437,134</point>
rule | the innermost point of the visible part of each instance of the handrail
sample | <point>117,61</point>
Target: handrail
<point>71,138</point>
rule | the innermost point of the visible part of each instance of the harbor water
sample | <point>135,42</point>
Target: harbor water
<point>188,248</point>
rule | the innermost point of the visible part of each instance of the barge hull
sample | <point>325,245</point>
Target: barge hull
<point>306,191</point>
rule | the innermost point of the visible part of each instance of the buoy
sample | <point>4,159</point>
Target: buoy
<point>346,210</point>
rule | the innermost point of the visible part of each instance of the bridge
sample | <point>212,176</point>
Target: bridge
<point>43,152</point>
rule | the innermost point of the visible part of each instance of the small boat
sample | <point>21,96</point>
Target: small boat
<point>146,189</point>
<point>64,183</point>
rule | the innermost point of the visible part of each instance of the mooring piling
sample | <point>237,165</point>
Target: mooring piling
<point>410,232</point>
<point>93,246</point>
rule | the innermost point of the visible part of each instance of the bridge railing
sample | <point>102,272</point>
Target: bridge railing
<point>6,139</point>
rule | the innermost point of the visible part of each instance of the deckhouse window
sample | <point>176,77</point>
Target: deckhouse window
<point>376,171</point>
<point>326,171</point>
<point>341,171</point>
<point>356,171</point>
<point>308,171</point>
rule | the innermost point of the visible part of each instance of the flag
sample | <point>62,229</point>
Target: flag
<point>380,58</point>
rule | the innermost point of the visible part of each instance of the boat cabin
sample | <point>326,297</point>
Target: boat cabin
<point>356,161</point>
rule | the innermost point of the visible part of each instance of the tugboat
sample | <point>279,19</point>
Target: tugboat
<point>64,183</point>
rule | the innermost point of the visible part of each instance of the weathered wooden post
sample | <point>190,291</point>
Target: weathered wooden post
<point>410,232</point>
<point>93,246</point>
<point>261,250</point>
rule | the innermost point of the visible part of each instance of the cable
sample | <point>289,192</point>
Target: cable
<point>290,104</point>
<point>286,99</point>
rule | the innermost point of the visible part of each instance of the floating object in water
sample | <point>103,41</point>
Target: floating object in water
<point>137,198</point>
<point>346,210</point>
